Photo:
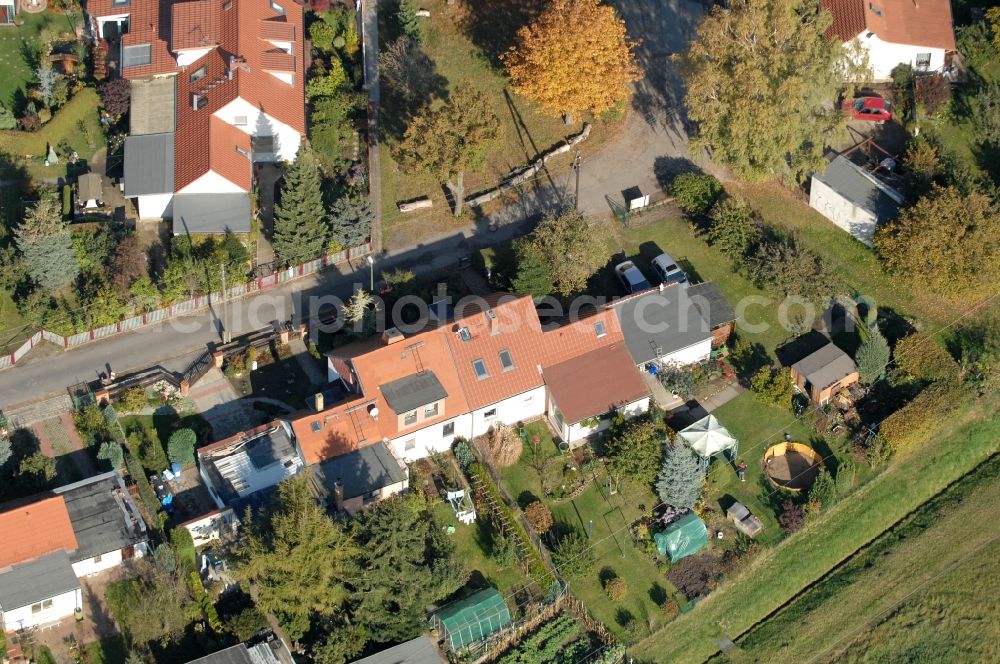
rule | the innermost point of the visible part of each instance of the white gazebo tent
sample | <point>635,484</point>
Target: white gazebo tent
<point>707,438</point>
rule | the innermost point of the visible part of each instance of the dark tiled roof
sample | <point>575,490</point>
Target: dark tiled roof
<point>712,303</point>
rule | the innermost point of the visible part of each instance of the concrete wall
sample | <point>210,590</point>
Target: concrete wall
<point>155,206</point>
<point>63,607</point>
<point>856,220</point>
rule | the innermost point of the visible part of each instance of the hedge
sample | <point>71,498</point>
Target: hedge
<point>537,570</point>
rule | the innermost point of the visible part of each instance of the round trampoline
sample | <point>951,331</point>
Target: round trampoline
<point>792,466</point>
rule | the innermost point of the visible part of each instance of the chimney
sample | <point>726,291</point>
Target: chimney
<point>491,316</point>
<point>338,494</point>
<point>319,401</point>
<point>391,336</point>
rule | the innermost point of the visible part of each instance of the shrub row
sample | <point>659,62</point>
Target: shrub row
<point>537,570</point>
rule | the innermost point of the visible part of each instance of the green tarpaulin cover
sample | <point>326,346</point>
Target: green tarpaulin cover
<point>474,618</point>
<point>683,537</point>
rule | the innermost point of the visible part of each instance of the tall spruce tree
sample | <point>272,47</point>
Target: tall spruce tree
<point>300,227</point>
<point>872,356</point>
<point>47,246</point>
<point>680,479</point>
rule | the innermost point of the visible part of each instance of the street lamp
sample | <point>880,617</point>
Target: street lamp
<point>371,272</point>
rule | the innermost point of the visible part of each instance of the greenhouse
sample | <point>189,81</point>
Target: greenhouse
<point>473,618</point>
<point>682,538</point>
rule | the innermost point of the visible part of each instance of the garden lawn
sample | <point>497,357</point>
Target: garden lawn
<point>757,426</point>
<point>76,123</point>
<point>616,555</point>
<point>946,618</point>
<point>16,40</point>
<point>107,651</point>
<point>777,575</point>
<point>472,546</point>
<point>521,480</point>
<point>524,130</point>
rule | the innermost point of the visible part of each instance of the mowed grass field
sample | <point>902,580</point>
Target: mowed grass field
<point>779,574</point>
<point>924,591</point>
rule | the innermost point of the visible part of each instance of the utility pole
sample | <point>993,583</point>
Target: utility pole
<point>576,167</point>
<point>226,338</point>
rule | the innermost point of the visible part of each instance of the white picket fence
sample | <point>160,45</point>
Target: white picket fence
<point>181,308</point>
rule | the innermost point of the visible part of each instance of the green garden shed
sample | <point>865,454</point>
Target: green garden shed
<point>473,618</point>
<point>684,537</point>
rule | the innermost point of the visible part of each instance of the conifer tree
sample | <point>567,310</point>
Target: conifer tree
<point>873,356</point>
<point>47,246</point>
<point>679,482</point>
<point>300,227</point>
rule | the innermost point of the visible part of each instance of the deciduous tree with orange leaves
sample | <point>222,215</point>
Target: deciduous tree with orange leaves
<point>575,57</point>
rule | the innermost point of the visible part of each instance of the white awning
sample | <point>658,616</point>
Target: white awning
<point>707,437</point>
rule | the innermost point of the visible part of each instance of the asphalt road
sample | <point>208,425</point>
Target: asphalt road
<point>650,149</point>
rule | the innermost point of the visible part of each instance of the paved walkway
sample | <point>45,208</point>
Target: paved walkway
<point>306,361</point>
<point>217,401</point>
<point>267,179</point>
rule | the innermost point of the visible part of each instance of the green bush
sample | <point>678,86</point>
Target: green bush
<point>246,624</point>
<point>463,454</point>
<point>67,201</point>
<point>181,446</point>
<point>132,400</point>
<point>773,387</point>
<point>695,193</point>
<point>573,555</point>
<point>823,490</point>
<point>183,545</point>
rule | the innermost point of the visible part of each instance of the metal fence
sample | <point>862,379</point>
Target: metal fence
<point>182,308</point>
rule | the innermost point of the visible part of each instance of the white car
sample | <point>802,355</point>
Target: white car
<point>631,277</point>
<point>666,270</point>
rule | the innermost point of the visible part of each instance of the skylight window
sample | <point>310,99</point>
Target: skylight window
<point>465,334</point>
<point>199,73</point>
<point>599,329</point>
<point>276,7</point>
<point>506,361</point>
<point>315,426</point>
<point>480,368</point>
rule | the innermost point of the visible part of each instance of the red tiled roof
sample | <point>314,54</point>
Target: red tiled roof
<point>924,23</point>
<point>593,383</point>
<point>515,329</point>
<point>223,156</point>
<point>149,23</point>
<point>275,30</point>
<point>277,60</point>
<point>35,530</point>
<point>335,431</point>
<point>917,23</point>
<point>195,24</point>
<point>245,30</point>
<point>848,18</point>
<point>575,338</point>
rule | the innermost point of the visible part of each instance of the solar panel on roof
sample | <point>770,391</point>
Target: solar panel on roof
<point>136,56</point>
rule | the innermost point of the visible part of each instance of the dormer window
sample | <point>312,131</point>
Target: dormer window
<point>199,73</point>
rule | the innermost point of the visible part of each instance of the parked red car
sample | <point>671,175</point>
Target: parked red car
<point>873,109</point>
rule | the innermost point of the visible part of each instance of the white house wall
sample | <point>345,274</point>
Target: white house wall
<point>212,526</point>
<point>213,183</point>
<point>516,409</point>
<point>856,220</point>
<point>430,439</point>
<point>155,206</point>
<point>698,352</point>
<point>287,137</point>
<point>63,606</point>
<point>92,566</point>
<point>575,434</point>
<point>884,56</point>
